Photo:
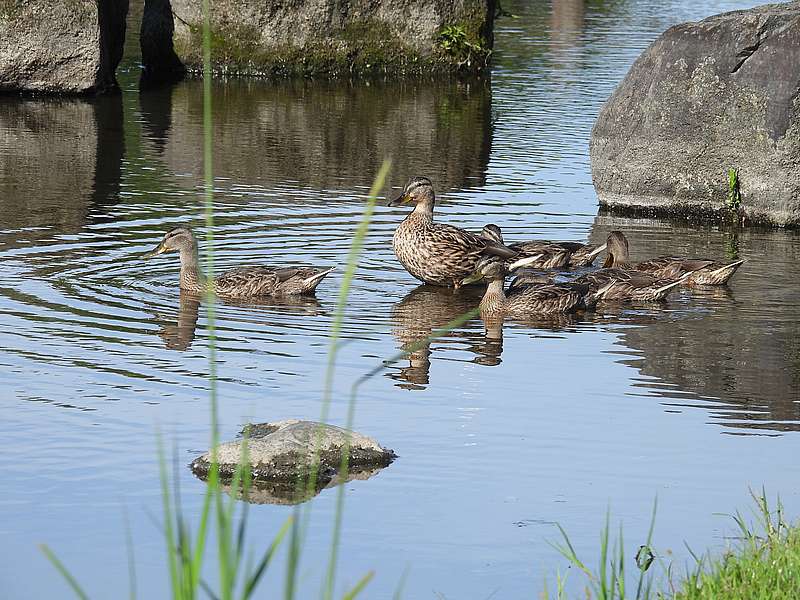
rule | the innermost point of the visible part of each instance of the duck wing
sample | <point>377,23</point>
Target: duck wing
<point>454,239</point>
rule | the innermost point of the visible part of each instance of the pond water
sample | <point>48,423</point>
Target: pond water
<point>500,433</point>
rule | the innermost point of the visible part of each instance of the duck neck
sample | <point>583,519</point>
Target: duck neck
<point>191,277</point>
<point>617,260</point>
<point>495,298</point>
<point>424,208</point>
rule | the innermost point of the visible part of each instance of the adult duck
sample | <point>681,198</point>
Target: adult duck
<point>544,254</point>
<point>536,298</point>
<point>242,282</point>
<point>702,271</point>
<point>437,253</point>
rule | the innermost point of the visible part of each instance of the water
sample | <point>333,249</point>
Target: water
<point>500,433</point>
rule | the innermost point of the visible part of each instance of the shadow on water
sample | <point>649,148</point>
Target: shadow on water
<point>736,350</point>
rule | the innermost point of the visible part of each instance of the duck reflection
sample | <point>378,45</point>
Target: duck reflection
<point>178,332</point>
<point>731,350</point>
<point>179,335</point>
<point>424,310</point>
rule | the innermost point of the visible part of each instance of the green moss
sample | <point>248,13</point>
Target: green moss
<point>366,47</point>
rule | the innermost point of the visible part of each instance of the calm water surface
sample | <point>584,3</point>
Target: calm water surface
<point>500,432</point>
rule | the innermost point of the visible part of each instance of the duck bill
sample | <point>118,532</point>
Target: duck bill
<point>609,260</point>
<point>400,200</point>
<point>160,249</point>
<point>474,278</point>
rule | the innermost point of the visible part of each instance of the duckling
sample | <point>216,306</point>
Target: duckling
<point>242,282</point>
<point>544,254</point>
<point>533,299</point>
<point>437,253</point>
<point>703,271</point>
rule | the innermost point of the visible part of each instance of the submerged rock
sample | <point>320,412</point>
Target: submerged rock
<point>337,36</point>
<point>705,97</point>
<point>61,47</point>
<point>281,456</point>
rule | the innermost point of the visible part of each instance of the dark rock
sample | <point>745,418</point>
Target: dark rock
<point>282,456</point>
<point>338,36</point>
<point>705,97</point>
<point>160,64</point>
<point>61,47</point>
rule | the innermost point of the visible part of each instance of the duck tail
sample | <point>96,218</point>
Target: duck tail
<point>593,298</point>
<point>662,291</point>
<point>311,283</point>
<point>725,272</point>
<point>522,262</point>
<point>498,249</point>
<point>596,251</point>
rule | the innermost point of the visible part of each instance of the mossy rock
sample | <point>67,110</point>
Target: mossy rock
<point>329,38</point>
<point>282,457</point>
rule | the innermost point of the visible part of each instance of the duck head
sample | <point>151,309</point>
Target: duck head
<point>616,249</point>
<point>177,239</point>
<point>418,191</point>
<point>490,268</point>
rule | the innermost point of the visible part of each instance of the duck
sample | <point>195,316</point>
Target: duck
<point>437,253</point>
<point>701,271</point>
<point>241,282</point>
<point>628,285</point>
<point>535,298</point>
<point>544,254</point>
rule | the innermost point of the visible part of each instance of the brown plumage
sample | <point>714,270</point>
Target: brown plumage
<point>626,285</point>
<point>703,271</point>
<point>242,282</point>
<point>437,253</point>
<point>525,301</point>
<point>544,254</point>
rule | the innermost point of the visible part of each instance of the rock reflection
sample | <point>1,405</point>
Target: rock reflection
<point>334,135</point>
<point>736,349</point>
<point>59,159</point>
<point>288,494</point>
<point>155,106</point>
<point>178,332</point>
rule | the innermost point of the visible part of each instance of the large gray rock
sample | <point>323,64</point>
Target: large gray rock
<point>281,456</point>
<point>337,36</point>
<point>61,47</point>
<point>705,97</point>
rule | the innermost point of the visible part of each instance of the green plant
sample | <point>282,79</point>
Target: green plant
<point>456,42</point>
<point>734,198</point>
<point>609,583</point>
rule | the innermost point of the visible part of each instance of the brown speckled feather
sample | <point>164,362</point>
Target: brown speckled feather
<point>244,282</point>
<point>625,284</point>
<point>438,253</point>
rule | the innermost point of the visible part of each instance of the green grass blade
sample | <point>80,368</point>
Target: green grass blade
<point>73,583</point>
<point>344,292</point>
<point>401,584</point>
<point>253,578</point>
<point>169,532</point>
<point>131,557</point>
<point>359,587</point>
